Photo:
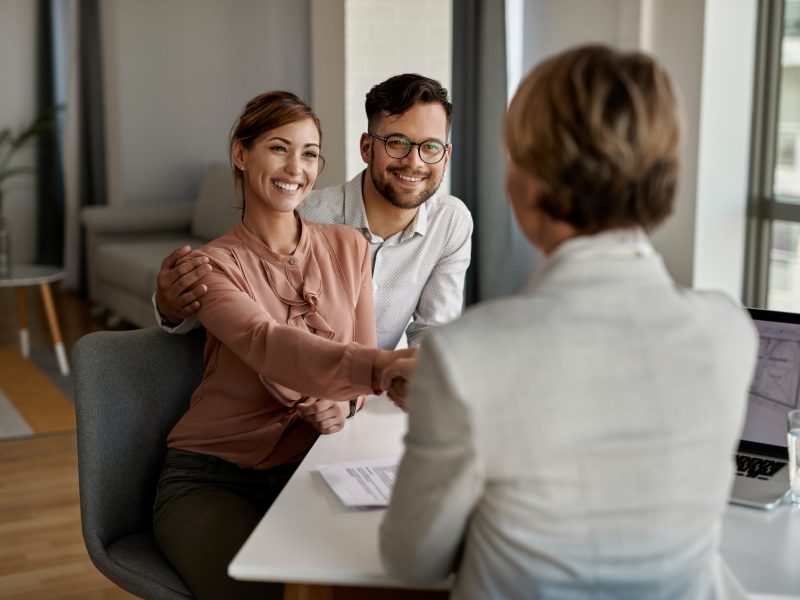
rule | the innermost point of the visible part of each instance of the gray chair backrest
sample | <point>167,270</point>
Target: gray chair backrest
<point>131,387</point>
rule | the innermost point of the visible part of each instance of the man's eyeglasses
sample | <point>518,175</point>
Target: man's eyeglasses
<point>397,146</point>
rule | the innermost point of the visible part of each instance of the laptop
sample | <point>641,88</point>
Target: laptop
<point>762,477</point>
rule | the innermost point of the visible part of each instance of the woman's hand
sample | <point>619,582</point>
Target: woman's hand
<point>326,416</point>
<point>391,372</point>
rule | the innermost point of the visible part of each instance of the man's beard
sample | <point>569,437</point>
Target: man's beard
<point>387,190</point>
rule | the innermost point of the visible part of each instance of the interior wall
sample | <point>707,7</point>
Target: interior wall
<point>708,49</point>
<point>724,145</point>
<point>385,38</point>
<point>328,82</point>
<point>179,72</point>
<point>674,33</point>
<point>555,25</point>
<point>551,26</point>
<point>17,111</point>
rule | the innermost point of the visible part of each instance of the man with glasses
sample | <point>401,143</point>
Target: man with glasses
<point>420,240</point>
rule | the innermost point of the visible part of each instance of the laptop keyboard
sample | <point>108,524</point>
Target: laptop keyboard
<point>760,468</point>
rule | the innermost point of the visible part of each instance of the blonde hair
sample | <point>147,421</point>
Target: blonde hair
<point>599,129</point>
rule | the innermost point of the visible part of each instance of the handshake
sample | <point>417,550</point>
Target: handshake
<point>391,372</point>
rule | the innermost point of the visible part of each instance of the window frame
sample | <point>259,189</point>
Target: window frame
<point>764,206</point>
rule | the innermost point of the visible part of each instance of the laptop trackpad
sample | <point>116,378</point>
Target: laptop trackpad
<point>760,493</point>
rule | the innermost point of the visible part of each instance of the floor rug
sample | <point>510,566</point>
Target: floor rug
<point>12,425</point>
<point>45,358</point>
<point>37,399</point>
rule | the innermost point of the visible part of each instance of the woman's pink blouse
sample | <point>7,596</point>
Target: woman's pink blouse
<point>281,329</point>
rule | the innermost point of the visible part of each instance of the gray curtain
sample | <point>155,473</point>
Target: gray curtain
<point>91,136</point>
<point>50,181</point>
<point>478,164</point>
<point>53,60</point>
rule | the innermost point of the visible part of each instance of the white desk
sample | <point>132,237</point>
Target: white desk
<point>763,549</point>
<point>308,536</point>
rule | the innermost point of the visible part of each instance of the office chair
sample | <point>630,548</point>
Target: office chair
<point>131,387</point>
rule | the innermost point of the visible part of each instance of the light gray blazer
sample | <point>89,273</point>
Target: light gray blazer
<point>575,440</point>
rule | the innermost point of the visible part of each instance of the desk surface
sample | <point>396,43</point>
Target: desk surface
<point>333,545</point>
<point>330,544</point>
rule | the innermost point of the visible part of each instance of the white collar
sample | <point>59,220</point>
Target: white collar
<point>630,243</point>
<point>618,243</point>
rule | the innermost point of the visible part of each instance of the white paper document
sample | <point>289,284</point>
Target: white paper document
<point>365,483</point>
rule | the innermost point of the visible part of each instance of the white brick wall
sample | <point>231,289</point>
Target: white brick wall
<point>385,38</point>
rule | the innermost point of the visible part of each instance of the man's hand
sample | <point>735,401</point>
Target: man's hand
<point>326,416</point>
<point>177,284</point>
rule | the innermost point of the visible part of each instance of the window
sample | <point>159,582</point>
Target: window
<point>773,269</point>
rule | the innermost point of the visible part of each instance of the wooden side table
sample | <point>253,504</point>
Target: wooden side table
<point>19,278</point>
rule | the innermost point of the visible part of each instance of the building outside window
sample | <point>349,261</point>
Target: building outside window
<point>774,236</point>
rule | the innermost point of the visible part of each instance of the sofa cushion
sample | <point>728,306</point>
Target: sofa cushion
<point>216,210</point>
<point>133,265</point>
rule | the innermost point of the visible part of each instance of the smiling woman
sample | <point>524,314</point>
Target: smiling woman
<point>293,144</point>
<point>291,339</point>
<point>276,172</point>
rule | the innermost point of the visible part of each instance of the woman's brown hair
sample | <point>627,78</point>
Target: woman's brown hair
<point>263,113</point>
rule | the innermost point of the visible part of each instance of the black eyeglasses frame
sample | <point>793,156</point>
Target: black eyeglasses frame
<point>411,144</point>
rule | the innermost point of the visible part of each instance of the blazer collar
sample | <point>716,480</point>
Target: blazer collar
<point>619,255</point>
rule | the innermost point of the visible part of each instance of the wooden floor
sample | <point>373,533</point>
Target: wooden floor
<point>42,555</point>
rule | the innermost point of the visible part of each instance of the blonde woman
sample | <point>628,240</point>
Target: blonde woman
<point>575,440</point>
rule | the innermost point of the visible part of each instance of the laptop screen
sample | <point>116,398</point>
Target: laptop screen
<point>776,382</point>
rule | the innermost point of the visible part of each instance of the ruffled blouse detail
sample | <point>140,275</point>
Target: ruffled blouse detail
<point>300,291</point>
<point>296,281</point>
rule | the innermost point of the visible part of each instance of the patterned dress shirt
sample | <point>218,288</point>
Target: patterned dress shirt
<point>418,273</point>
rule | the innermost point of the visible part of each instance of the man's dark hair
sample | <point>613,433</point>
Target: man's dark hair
<point>399,93</point>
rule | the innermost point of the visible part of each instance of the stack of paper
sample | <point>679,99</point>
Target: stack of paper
<point>366,483</point>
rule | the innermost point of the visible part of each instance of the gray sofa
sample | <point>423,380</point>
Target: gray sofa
<point>126,244</point>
